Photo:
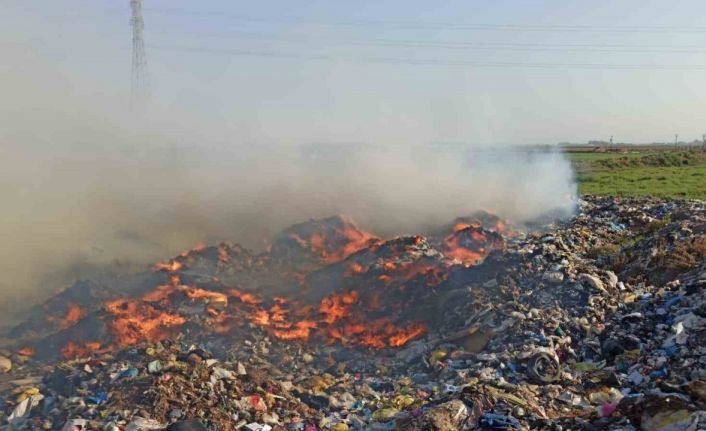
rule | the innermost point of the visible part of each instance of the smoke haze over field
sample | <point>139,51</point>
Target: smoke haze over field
<point>88,183</point>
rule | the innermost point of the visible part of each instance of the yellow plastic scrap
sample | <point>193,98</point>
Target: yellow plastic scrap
<point>605,396</point>
<point>402,401</point>
<point>510,398</point>
<point>514,399</point>
<point>321,383</point>
<point>385,414</point>
<point>629,298</point>
<point>628,356</point>
<point>339,427</point>
<point>436,356</point>
<point>177,366</point>
<point>587,367</point>
<point>674,420</point>
<point>30,392</point>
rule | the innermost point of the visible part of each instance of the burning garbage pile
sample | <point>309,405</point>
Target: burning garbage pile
<point>325,279</point>
<point>597,322</point>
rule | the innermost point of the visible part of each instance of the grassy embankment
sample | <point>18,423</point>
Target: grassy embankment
<point>665,173</point>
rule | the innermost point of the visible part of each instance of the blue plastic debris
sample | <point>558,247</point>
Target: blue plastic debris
<point>498,422</point>
<point>617,227</point>
<point>659,373</point>
<point>97,399</point>
<point>672,302</point>
<point>129,373</point>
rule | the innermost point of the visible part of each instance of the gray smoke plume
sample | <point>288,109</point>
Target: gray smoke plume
<point>88,184</point>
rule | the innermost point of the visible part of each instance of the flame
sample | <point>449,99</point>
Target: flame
<point>461,226</point>
<point>354,268</point>
<point>26,351</point>
<point>244,297</point>
<point>261,317</point>
<point>223,256</point>
<point>337,306</point>
<point>170,266</point>
<point>73,350</point>
<point>160,293</point>
<point>470,243</point>
<point>300,331</point>
<point>344,317</point>
<point>355,240</point>
<point>197,293</point>
<point>198,248</point>
<point>135,321</point>
<point>175,265</point>
<point>74,314</point>
<point>385,278</point>
<point>404,335</point>
<point>382,333</point>
<point>335,244</point>
<point>339,322</point>
<point>404,271</point>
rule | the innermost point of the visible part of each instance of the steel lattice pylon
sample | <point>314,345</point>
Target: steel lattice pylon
<point>139,81</point>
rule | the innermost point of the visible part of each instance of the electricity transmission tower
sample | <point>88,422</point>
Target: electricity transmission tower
<point>139,83</point>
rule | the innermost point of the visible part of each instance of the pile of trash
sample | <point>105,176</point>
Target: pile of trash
<point>595,323</point>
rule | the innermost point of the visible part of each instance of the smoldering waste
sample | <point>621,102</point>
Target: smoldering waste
<point>598,322</point>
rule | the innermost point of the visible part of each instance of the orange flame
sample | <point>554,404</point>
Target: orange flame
<point>26,351</point>
<point>74,314</point>
<point>338,317</point>
<point>135,321</point>
<point>404,271</point>
<point>197,293</point>
<point>336,246</point>
<point>337,306</point>
<point>244,297</point>
<point>73,350</point>
<point>470,243</point>
<point>223,256</point>
<point>301,331</point>
<point>340,323</point>
<point>354,268</point>
<point>160,293</point>
<point>198,248</point>
<point>171,266</point>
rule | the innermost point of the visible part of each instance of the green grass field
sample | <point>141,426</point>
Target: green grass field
<point>673,174</point>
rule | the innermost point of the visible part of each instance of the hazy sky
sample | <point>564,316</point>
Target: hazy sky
<point>394,71</point>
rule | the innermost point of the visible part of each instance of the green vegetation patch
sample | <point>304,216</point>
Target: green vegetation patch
<point>658,159</point>
<point>664,173</point>
<point>670,181</point>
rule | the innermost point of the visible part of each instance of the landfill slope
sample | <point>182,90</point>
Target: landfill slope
<point>598,322</point>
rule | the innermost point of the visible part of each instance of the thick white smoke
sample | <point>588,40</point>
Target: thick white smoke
<point>86,183</point>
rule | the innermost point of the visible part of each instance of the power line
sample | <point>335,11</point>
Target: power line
<point>430,62</point>
<point>463,45</point>
<point>435,25</point>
